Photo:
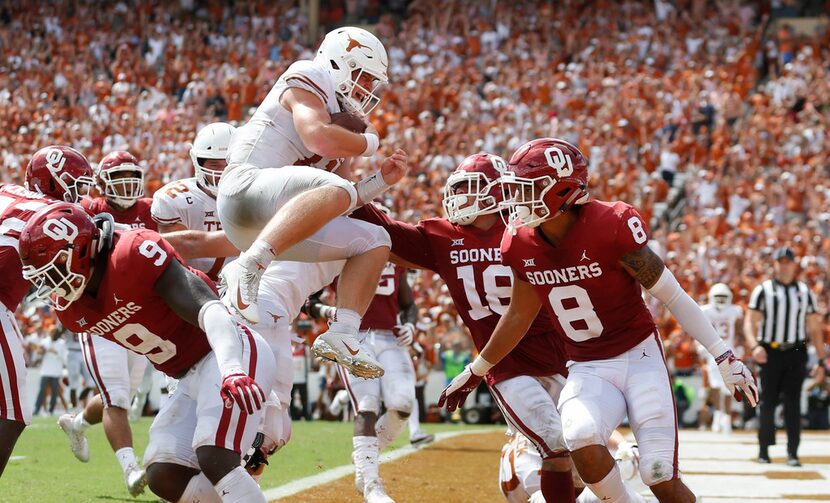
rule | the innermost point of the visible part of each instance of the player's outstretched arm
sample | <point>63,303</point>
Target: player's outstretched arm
<point>200,244</point>
<point>193,301</point>
<point>313,124</point>
<point>410,244</point>
<point>647,268</point>
<point>523,308</point>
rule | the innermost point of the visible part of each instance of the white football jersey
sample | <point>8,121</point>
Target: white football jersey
<point>724,320</point>
<point>183,202</point>
<point>269,139</point>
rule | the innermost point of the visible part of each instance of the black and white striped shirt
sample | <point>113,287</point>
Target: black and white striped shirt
<point>785,309</point>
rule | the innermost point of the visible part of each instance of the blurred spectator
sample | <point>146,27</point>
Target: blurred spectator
<point>51,370</point>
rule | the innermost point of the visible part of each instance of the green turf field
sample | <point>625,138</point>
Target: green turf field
<point>43,469</point>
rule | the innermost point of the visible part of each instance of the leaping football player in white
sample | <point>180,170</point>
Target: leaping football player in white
<point>280,199</point>
<point>727,318</point>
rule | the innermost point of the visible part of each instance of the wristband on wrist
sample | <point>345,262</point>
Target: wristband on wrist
<point>480,366</point>
<point>372,144</point>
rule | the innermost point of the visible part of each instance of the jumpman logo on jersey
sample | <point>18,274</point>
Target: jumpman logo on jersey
<point>644,355</point>
<point>116,299</point>
<point>584,256</point>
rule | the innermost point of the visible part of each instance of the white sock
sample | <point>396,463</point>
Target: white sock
<point>79,422</point>
<point>126,458</point>
<point>200,490</point>
<point>260,252</point>
<point>612,490</point>
<point>366,457</point>
<point>345,320</point>
<point>388,428</point>
<point>238,487</point>
<point>414,422</point>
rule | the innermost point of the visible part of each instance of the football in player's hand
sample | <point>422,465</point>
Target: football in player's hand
<point>349,121</point>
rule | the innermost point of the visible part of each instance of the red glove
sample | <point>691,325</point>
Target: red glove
<point>240,388</point>
<point>455,394</point>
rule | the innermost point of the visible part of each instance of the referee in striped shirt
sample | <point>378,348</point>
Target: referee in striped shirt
<point>782,315</point>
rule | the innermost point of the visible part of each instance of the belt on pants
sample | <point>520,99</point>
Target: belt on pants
<point>785,346</point>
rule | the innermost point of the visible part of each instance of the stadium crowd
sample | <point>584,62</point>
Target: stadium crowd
<point>711,122</point>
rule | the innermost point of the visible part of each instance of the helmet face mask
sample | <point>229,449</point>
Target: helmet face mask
<point>60,172</point>
<point>357,62</point>
<point>545,178</point>
<point>56,248</point>
<point>473,188</point>
<point>123,185</point>
<point>209,153</point>
<point>720,295</point>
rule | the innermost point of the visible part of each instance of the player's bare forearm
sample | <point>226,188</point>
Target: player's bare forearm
<point>184,292</point>
<point>200,244</point>
<point>817,338</point>
<point>753,320</point>
<point>513,325</point>
<point>313,124</point>
<point>643,265</point>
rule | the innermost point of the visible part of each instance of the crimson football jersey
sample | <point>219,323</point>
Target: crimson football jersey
<point>17,205</point>
<point>469,261</point>
<point>128,311</point>
<point>593,301</point>
<point>136,216</point>
<point>382,313</point>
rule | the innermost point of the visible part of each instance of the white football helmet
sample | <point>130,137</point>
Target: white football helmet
<point>720,295</point>
<point>348,54</point>
<point>211,143</point>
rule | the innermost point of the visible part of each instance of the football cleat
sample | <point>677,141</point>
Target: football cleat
<point>242,283</point>
<point>344,349</point>
<point>422,438</point>
<point>136,480</point>
<point>376,493</point>
<point>77,438</point>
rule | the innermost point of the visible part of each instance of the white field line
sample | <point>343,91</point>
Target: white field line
<point>300,485</point>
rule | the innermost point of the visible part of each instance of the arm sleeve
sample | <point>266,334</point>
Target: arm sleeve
<point>409,242</point>
<point>687,312</point>
<point>223,337</point>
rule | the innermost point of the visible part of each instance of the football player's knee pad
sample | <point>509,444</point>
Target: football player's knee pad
<point>366,237</point>
<point>276,425</point>
<point>581,430</point>
<point>118,397</point>
<point>369,404</point>
<point>400,402</point>
<point>657,453</point>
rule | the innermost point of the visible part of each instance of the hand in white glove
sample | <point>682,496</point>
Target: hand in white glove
<point>405,334</point>
<point>738,377</point>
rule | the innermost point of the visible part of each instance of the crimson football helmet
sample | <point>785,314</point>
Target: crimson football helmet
<point>61,172</point>
<point>120,178</point>
<point>473,188</point>
<point>56,249</point>
<point>543,179</point>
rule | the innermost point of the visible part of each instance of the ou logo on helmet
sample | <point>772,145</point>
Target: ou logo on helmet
<point>559,161</point>
<point>60,229</point>
<point>55,160</point>
<point>498,164</point>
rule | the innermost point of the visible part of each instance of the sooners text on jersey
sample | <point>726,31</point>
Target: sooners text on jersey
<point>592,300</point>
<point>127,310</point>
<point>136,216</point>
<point>469,262</point>
<point>17,205</point>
